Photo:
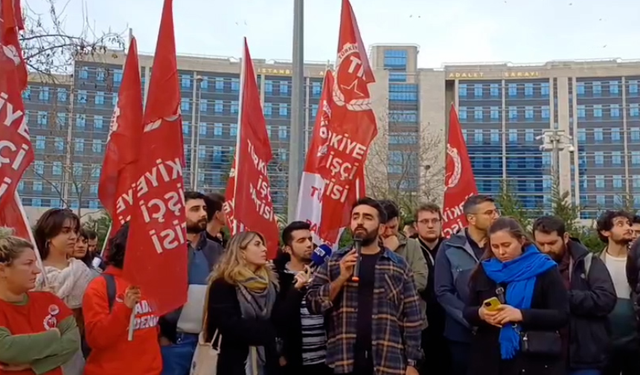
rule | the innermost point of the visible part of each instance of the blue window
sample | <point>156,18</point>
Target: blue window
<point>462,90</point>
<point>268,86</point>
<point>635,157</point>
<point>582,112</point>
<point>82,96</point>
<point>36,202</point>
<point>284,88</point>
<point>597,88</point>
<point>93,189</point>
<point>114,99</point>
<point>56,168</point>
<point>582,135</point>
<point>79,144</point>
<point>513,136</point>
<point>477,135</point>
<point>99,98</point>
<point>462,113</point>
<point>185,105</point>
<point>26,94</point>
<point>202,128</point>
<point>544,89</point>
<point>615,110</point>
<point>98,122</point>
<point>284,110</point>
<point>217,130</point>
<point>38,166</point>
<point>185,127</point>
<point>495,136</point>
<point>513,89</point>
<point>100,75</point>
<point>403,92</point>
<point>314,110</point>
<point>43,118</point>
<point>494,90</point>
<point>61,119</point>
<point>218,106</point>
<point>598,135</point>
<point>477,90</point>
<point>635,134</point>
<point>117,75</point>
<point>617,182</point>
<point>546,113</point>
<point>633,87</point>
<point>616,157</point>
<point>185,81</point>
<point>597,110</point>
<point>84,73</point>
<point>495,113</point>
<point>529,135</point>
<point>40,143</point>
<point>580,88</point>
<point>513,113</point>
<point>204,84</point>
<point>615,135</point>
<point>528,89</point>
<point>395,59</point>
<point>219,84</point>
<point>528,113</point>
<point>203,105</point>
<point>614,88</point>
<point>283,132</point>
<point>477,113</point>
<point>96,146</point>
<point>268,109</point>
<point>233,130</point>
<point>81,120</point>
<point>599,158</point>
<point>397,77</point>
<point>316,88</point>
<point>235,84</point>
<point>202,152</point>
<point>634,110</point>
<point>37,185</point>
<point>62,95</point>
<point>234,107</point>
<point>599,182</point>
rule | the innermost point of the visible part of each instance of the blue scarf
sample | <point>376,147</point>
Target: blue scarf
<point>520,276</point>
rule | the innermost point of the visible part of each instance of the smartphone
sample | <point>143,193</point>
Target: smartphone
<point>491,304</point>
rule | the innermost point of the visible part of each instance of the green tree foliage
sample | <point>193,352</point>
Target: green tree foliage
<point>510,205</point>
<point>102,225</point>
<point>564,208</point>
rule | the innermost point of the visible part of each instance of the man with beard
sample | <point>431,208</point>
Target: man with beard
<point>428,225</point>
<point>592,295</point>
<point>179,329</point>
<point>375,322</point>
<point>457,258</point>
<point>304,340</point>
<point>216,217</point>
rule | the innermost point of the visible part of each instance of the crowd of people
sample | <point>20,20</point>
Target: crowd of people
<point>494,298</point>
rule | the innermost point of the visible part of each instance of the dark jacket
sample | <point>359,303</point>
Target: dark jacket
<point>633,274</point>
<point>455,261</point>
<point>237,334</point>
<point>286,314</point>
<point>592,298</point>
<point>549,312</point>
<point>212,251</point>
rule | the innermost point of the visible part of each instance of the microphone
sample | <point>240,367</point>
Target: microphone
<point>320,254</point>
<point>357,243</point>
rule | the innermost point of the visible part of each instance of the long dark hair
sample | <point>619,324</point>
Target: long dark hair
<point>508,225</point>
<point>88,256</point>
<point>50,225</point>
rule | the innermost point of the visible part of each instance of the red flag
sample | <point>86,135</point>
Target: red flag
<point>352,126</point>
<point>16,153</point>
<point>117,178</point>
<point>252,205</point>
<point>13,216</point>
<point>460,183</point>
<point>229,203</point>
<point>156,257</point>
<point>315,177</point>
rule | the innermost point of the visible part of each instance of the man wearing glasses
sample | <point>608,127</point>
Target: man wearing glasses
<point>456,260</point>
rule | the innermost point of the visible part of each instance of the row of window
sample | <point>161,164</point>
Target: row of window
<point>612,110</point>
<point>101,74</point>
<point>615,135</point>
<point>595,88</point>
<point>530,113</point>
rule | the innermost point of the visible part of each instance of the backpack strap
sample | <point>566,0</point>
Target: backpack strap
<point>111,289</point>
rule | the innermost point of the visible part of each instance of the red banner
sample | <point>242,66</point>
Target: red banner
<point>13,216</point>
<point>460,183</point>
<point>351,128</point>
<point>156,257</point>
<point>252,205</point>
<point>117,179</point>
<point>16,152</point>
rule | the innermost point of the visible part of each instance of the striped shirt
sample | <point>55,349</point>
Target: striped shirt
<point>314,336</point>
<point>397,319</point>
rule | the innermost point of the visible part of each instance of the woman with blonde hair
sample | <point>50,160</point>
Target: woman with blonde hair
<point>242,293</point>
<point>38,333</point>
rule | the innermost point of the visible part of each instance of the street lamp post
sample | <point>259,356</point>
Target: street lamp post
<point>296,134</point>
<point>555,140</point>
<point>195,165</point>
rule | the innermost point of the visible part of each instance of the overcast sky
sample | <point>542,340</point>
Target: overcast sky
<point>519,31</point>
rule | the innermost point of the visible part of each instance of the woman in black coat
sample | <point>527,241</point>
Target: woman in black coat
<point>534,305</point>
<point>241,298</point>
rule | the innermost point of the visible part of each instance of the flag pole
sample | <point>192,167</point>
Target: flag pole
<point>243,77</point>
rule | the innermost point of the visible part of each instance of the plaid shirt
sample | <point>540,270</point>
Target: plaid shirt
<point>397,320</point>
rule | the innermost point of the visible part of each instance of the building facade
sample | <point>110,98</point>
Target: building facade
<point>506,110</point>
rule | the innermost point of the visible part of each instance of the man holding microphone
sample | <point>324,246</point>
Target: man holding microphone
<point>373,314</point>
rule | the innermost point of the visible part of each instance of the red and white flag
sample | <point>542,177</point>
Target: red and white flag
<point>156,257</point>
<point>337,180</point>
<point>248,188</point>
<point>460,183</point>
<point>16,152</point>
<point>117,179</point>
<point>310,199</point>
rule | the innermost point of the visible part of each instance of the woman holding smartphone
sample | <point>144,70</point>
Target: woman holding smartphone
<point>517,302</point>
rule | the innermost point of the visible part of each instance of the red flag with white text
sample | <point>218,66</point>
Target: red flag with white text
<point>351,129</point>
<point>460,183</point>
<point>230,197</point>
<point>16,152</point>
<point>117,179</point>
<point>156,257</point>
<point>252,204</point>
<point>315,177</point>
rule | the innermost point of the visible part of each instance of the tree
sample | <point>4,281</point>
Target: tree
<point>101,224</point>
<point>50,50</point>
<point>626,202</point>
<point>405,167</point>
<point>510,205</point>
<point>563,207</point>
